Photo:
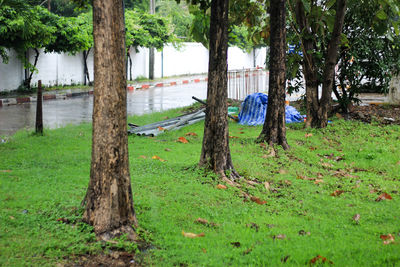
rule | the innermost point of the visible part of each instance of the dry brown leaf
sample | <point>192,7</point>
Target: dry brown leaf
<point>267,186</point>
<point>326,165</point>
<point>282,171</point>
<point>280,236</point>
<point>308,135</point>
<point>158,158</point>
<point>312,148</point>
<point>356,218</point>
<point>191,134</point>
<point>339,116</point>
<point>337,193</point>
<point>160,128</point>
<point>317,181</point>
<point>387,239</point>
<point>204,250</point>
<point>192,235</point>
<point>202,221</point>
<point>183,140</point>
<point>384,196</point>
<point>233,137</point>
<point>263,145</point>
<point>323,259</point>
<point>287,182</point>
<point>221,186</point>
<point>241,132</point>
<point>257,200</point>
<point>142,157</point>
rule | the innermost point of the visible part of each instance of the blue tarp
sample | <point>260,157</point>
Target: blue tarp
<point>254,108</point>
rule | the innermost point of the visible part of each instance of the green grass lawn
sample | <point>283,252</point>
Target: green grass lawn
<point>44,179</point>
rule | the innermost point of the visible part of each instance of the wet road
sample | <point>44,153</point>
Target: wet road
<point>58,113</point>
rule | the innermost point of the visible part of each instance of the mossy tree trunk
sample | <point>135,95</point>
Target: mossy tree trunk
<point>274,129</point>
<point>215,153</point>
<point>109,204</point>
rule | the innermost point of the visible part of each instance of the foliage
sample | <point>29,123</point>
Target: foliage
<point>146,30</point>
<point>43,180</point>
<point>371,54</point>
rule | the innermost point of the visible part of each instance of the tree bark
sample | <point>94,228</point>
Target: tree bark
<point>215,153</point>
<point>330,62</point>
<point>274,129</point>
<point>318,109</point>
<point>109,205</point>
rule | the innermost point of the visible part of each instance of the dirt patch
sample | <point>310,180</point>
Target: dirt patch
<point>382,113</point>
<point>112,259</point>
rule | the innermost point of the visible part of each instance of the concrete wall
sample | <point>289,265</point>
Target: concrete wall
<point>65,69</point>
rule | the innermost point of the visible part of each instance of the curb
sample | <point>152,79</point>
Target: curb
<point>130,87</point>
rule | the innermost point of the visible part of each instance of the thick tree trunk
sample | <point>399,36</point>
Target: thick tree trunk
<point>215,152</point>
<point>274,130</point>
<point>109,205</point>
<point>330,62</point>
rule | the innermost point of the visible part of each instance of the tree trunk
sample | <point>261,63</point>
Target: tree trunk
<point>86,70</point>
<point>109,205</point>
<point>130,65</point>
<point>274,130</point>
<point>28,80</point>
<point>215,152</point>
<point>330,62</point>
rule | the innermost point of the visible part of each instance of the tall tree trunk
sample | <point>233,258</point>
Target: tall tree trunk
<point>109,205</point>
<point>130,65</point>
<point>274,130</point>
<point>330,62</point>
<point>215,152</point>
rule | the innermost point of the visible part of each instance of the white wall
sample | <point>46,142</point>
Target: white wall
<point>11,74</point>
<point>65,69</point>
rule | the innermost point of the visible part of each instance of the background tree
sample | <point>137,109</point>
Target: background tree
<point>312,21</point>
<point>22,28</point>
<point>274,131</point>
<point>215,153</point>
<point>109,204</point>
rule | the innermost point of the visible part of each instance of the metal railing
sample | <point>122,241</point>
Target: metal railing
<point>246,81</point>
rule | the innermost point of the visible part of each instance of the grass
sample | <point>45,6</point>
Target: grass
<point>44,179</point>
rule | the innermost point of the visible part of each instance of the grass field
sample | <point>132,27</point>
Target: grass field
<point>325,196</point>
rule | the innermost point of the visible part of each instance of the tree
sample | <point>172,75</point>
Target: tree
<point>215,152</point>
<point>371,53</point>
<point>22,28</point>
<point>85,23</point>
<point>274,131</point>
<point>109,204</point>
<point>312,21</point>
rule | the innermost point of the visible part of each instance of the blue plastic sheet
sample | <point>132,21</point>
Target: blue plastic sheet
<point>254,108</point>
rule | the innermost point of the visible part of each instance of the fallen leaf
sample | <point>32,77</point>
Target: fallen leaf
<point>201,220</point>
<point>63,220</point>
<point>191,134</point>
<point>241,132</point>
<point>192,235</point>
<point>287,182</point>
<point>339,116</point>
<point>267,186</point>
<point>221,186</point>
<point>204,250</point>
<point>158,158</point>
<point>326,165</point>
<point>282,171</point>
<point>235,244</point>
<point>356,218</point>
<point>141,156</point>
<point>12,217</point>
<point>302,232</point>
<point>280,236</point>
<point>323,259</point>
<point>5,170</point>
<point>160,128</point>
<point>312,148</point>
<point>384,196</point>
<point>387,239</point>
<point>233,137</point>
<point>183,140</point>
<point>263,145</point>
<point>167,149</point>
<point>398,163</point>
<point>257,200</point>
<point>337,193</point>
<point>317,181</point>
<point>308,135</point>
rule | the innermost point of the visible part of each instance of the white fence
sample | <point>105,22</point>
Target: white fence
<point>246,81</point>
<point>64,69</point>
